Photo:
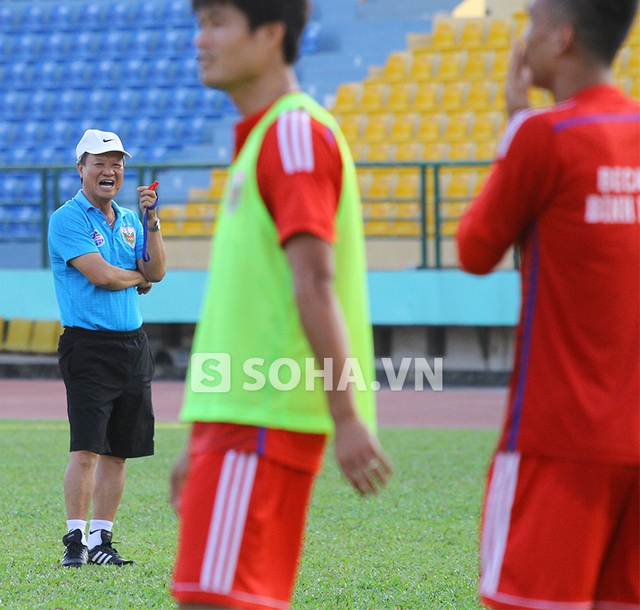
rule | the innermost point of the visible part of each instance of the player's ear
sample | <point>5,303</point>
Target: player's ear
<point>564,39</point>
<point>273,34</point>
<point>80,169</point>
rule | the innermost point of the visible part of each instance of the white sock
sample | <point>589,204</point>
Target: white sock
<point>95,527</point>
<point>78,524</point>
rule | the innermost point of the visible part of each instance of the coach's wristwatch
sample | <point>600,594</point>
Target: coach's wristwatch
<point>155,227</point>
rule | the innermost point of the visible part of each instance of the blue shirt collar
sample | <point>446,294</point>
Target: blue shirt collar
<point>84,203</point>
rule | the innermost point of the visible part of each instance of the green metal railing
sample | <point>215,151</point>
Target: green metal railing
<point>429,193</point>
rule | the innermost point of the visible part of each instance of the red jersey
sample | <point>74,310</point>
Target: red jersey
<point>299,173</point>
<point>566,188</point>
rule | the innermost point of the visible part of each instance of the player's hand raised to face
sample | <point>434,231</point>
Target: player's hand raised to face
<point>519,79</point>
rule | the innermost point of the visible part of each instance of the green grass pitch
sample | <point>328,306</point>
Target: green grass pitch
<point>414,546</point>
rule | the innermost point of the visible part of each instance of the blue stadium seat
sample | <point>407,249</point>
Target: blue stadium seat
<point>185,101</point>
<point>157,101</point>
<point>58,45</point>
<point>178,12</point>
<point>36,16</point>
<point>21,74</point>
<point>87,44</point>
<point>194,130</point>
<point>61,131</point>
<point>41,104</point>
<point>18,156</point>
<point>66,15</point>
<point>135,72</point>
<point>107,73</point>
<point>95,15</point>
<point>116,43</point>
<point>76,73</point>
<point>210,101</point>
<point>11,15</point>
<point>309,44</point>
<point>70,103</point>
<point>98,102</point>
<point>145,43</point>
<point>123,13</point>
<point>68,185</point>
<point>178,42</point>
<point>126,102</point>
<point>14,104</point>
<point>52,74</point>
<point>33,132</point>
<point>187,73</point>
<point>7,45</point>
<point>150,13</point>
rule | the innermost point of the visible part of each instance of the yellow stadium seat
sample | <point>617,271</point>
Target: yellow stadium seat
<point>422,66</point>
<point>374,95</point>
<point>633,38</point>
<point>472,34</point>
<point>486,151</point>
<point>634,88</point>
<point>200,211</point>
<point>434,151</point>
<point>499,34</point>
<point>382,183</point>
<point>444,34</point>
<point>405,228</point>
<point>461,151</point>
<point>430,127</point>
<point>359,151</point>
<point>487,125</point>
<point>481,179</point>
<point>407,184</point>
<point>427,97</point>
<point>499,65</point>
<point>171,216</point>
<point>2,329</point>
<point>408,211</point>
<point>397,66</point>
<point>199,194</point>
<point>453,96</point>
<point>44,339</point>
<point>382,210</point>
<point>348,97</point>
<point>400,96</point>
<point>351,126</point>
<point>521,20</point>
<point>539,98</point>
<point>18,337</point>
<point>377,228</point>
<point>218,182</point>
<point>451,65</point>
<point>364,179</point>
<point>481,95</point>
<point>408,151</point>
<point>476,65</point>
<point>380,152</point>
<point>196,228</point>
<point>377,127</point>
<point>404,126</point>
<point>457,183</point>
<point>458,126</point>
<point>633,63</point>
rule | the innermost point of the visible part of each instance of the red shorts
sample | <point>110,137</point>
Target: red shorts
<point>243,517</point>
<point>561,535</point>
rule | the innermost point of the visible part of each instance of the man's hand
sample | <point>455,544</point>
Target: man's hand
<point>144,287</point>
<point>178,477</point>
<point>147,199</point>
<point>519,80</point>
<point>360,456</point>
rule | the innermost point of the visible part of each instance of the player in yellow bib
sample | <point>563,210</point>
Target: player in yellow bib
<point>283,353</point>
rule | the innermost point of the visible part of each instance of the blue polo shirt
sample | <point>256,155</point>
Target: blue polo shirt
<point>78,228</point>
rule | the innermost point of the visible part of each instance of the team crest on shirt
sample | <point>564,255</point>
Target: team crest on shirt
<point>233,201</point>
<point>129,234</point>
<point>97,238</point>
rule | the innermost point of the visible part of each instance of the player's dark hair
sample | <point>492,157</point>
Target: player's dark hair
<point>600,25</point>
<point>293,13</point>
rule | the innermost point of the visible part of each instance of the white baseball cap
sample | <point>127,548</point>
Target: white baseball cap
<point>96,142</point>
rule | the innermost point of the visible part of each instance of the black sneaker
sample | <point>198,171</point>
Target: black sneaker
<point>76,554</point>
<point>104,554</point>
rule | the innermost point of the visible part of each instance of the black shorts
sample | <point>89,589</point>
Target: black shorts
<point>108,379</point>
